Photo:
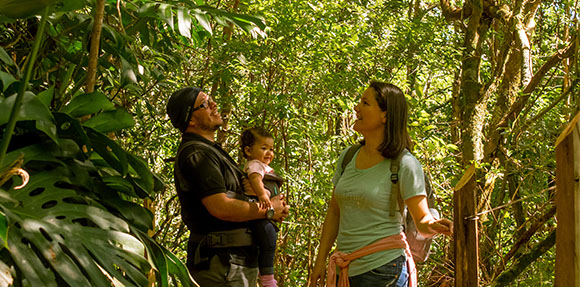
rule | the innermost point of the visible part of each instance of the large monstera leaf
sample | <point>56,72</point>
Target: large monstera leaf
<point>77,222</point>
<point>57,235</point>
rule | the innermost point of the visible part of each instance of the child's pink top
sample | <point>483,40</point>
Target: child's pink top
<point>343,259</point>
<point>256,166</point>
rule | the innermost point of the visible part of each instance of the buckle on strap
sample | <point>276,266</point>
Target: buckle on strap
<point>216,240</point>
<point>394,177</point>
<point>227,238</point>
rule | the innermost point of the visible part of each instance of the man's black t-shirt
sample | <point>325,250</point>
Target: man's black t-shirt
<point>206,169</point>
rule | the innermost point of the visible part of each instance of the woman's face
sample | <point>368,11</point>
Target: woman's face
<point>369,116</point>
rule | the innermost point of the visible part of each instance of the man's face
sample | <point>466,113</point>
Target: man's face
<point>206,117</point>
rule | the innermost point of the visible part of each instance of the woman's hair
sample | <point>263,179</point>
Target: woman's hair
<point>250,135</point>
<point>392,101</point>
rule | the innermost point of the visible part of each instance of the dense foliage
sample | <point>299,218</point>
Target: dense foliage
<point>297,68</point>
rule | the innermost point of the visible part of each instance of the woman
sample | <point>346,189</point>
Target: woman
<point>358,213</point>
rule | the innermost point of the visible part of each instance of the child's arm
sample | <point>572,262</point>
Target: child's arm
<point>258,187</point>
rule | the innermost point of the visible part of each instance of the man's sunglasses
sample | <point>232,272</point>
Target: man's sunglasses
<point>203,105</point>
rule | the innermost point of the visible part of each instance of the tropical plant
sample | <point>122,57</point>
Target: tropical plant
<point>78,219</point>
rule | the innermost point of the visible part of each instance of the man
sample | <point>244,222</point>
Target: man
<point>220,250</point>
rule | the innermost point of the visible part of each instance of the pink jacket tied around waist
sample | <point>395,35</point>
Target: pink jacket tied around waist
<point>343,259</point>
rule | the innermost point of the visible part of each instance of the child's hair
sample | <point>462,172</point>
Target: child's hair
<point>249,137</point>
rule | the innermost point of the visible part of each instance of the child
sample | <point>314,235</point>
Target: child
<point>258,149</point>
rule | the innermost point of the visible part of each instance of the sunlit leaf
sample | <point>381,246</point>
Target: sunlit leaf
<point>110,121</point>
<point>203,20</point>
<point>86,104</point>
<point>166,13</point>
<point>184,22</point>
<point>128,75</point>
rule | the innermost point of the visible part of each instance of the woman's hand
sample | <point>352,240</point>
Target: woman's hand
<point>318,275</point>
<point>443,226</point>
<point>426,224</point>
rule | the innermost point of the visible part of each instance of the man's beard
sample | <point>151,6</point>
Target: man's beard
<point>211,127</point>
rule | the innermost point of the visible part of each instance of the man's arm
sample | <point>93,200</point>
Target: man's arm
<point>231,209</point>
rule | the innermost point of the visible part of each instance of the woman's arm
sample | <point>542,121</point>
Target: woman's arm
<point>329,233</point>
<point>426,224</point>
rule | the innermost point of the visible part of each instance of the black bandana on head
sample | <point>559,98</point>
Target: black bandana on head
<point>180,107</point>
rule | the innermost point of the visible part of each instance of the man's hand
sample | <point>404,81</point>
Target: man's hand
<point>281,210</point>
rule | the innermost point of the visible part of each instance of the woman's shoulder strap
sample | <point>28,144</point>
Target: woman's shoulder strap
<point>348,155</point>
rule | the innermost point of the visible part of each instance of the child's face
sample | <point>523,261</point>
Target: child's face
<point>262,150</point>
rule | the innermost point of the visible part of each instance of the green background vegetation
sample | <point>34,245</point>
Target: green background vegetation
<point>101,199</point>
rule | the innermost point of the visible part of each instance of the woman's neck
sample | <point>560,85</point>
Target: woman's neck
<point>372,143</point>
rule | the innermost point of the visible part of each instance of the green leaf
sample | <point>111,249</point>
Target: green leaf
<point>184,22</point>
<point>3,226</point>
<point>166,14</point>
<point>86,104</point>
<point>32,109</point>
<point>168,263</point>
<point>46,96</point>
<point>128,74</point>
<point>75,236</point>
<point>7,80</point>
<point>20,9</point>
<point>69,127</point>
<point>114,155</point>
<point>70,5</point>
<point>142,176</point>
<point>119,184</point>
<point>203,20</point>
<point>110,121</point>
<point>6,197</point>
<point>251,20</point>
<point>5,57</point>
<point>32,268</point>
<point>38,152</point>
<point>139,217</point>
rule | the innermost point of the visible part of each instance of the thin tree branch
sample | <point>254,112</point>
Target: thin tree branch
<point>548,108</point>
<point>524,238</point>
<point>525,260</point>
<point>554,60</point>
<point>95,41</point>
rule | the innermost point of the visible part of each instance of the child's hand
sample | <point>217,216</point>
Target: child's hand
<point>264,201</point>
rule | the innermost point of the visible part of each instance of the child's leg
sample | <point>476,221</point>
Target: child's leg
<point>265,236</point>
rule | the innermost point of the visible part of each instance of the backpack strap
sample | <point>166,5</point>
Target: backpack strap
<point>396,196</point>
<point>348,156</point>
<point>232,194</point>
